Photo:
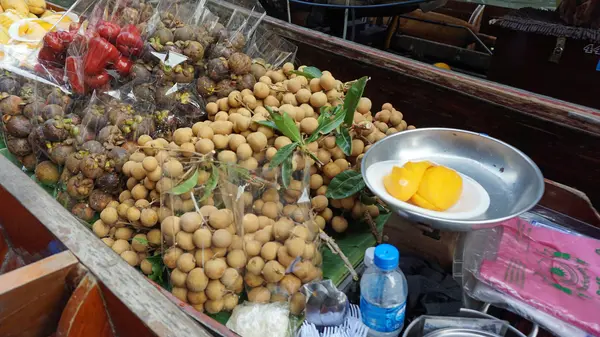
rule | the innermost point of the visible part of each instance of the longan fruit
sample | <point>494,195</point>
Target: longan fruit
<point>185,263</point>
<point>316,181</point>
<point>170,226</point>
<point>320,221</point>
<point>236,258</point>
<point>270,210</point>
<point>269,251</point>
<point>297,303</point>
<point>303,96</point>
<point>253,280</point>
<point>257,141</point>
<point>282,229</point>
<point>281,141</point>
<point>331,170</point>
<point>196,298</point>
<point>410,127</point>
<point>139,192</point>
<point>315,85</point>
<point>130,257</point>
<point>123,233</point>
<point>227,156</point>
<point>146,267</point>
<point>173,168</point>
<point>182,135</point>
<point>327,214</point>
<point>290,283</point>
<point>373,210</point>
<point>100,228</point>
<point>109,216</point>
<point>295,247</point>
<point>259,295</point>
<point>221,238</point>
<point>271,101</point>
<point>342,164</point>
<point>230,301</point>
<point>308,125</point>
<point>261,90</point>
<point>364,105</point>
<point>250,223</point>
<point>125,195</point>
<point>273,272</point>
<point>137,157</point>
<point>347,203</point>
<point>263,236</point>
<point>339,224</point>
<point>337,153</point>
<point>180,293</point>
<point>287,68</point>
<point>202,238</point>
<point>319,203</point>
<point>229,278</point>
<point>324,156</point>
<point>327,82</point>
<point>148,217</point>
<point>264,221</point>
<point>253,248</point>
<point>255,265</point>
<point>154,237</point>
<point>119,246</point>
<point>318,99</point>
<point>358,147</point>
<point>220,219</point>
<point>196,280</point>
<point>215,268</point>
<point>383,116</point>
<point>214,307</point>
<point>143,139</point>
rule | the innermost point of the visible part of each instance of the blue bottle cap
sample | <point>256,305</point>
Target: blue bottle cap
<point>386,257</point>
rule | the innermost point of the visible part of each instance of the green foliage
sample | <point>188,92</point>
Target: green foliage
<point>345,184</point>
<point>309,72</point>
<point>344,141</point>
<point>281,155</point>
<point>352,98</point>
<point>211,184</point>
<point>186,185</point>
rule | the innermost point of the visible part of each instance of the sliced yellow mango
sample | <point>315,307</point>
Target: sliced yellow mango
<point>440,187</point>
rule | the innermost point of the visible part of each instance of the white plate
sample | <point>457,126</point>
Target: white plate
<point>473,201</point>
<point>13,30</point>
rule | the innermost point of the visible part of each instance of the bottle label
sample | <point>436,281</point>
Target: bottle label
<point>382,319</point>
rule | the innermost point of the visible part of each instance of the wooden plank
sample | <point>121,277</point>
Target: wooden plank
<point>124,321</point>
<point>130,286</point>
<point>565,113</point>
<point>32,297</point>
<point>85,314</point>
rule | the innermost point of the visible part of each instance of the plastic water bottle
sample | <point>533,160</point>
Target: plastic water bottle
<point>369,256</point>
<point>383,292</point>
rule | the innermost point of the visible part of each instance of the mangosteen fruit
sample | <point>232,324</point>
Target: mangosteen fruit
<point>65,200</point>
<point>83,211</point>
<point>52,110</point>
<point>184,73</point>
<point>220,50</point>
<point>108,182</point>
<point>73,161</point>
<point>36,139</point>
<point>91,167</point>
<point>144,92</point>
<point>109,134</point>
<point>92,146</point>
<point>246,82</point>
<point>47,173</point>
<point>140,74</point>
<point>18,126</point>
<point>163,35</point>
<point>20,147</point>
<point>224,88</point>
<point>29,161</point>
<point>118,157</point>
<point>95,118</point>
<point>184,33</point>
<point>164,96</point>
<point>9,85</point>
<point>55,131</point>
<point>205,86</point>
<point>239,63</point>
<point>58,97</point>
<point>11,105</point>
<point>217,69</point>
<point>60,152</point>
<point>98,199</point>
<point>194,50</point>
<point>33,109</point>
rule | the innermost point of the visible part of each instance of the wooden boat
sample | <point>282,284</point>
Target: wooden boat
<point>58,279</point>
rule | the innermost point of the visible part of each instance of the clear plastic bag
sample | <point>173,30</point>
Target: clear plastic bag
<point>256,320</point>
<point>269,48</point>
<point>539,270</point>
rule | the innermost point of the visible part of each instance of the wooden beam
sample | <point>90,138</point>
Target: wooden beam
<point>32,297</point>
<point>130,286</point>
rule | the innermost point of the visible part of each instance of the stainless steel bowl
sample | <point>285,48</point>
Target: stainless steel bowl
<point>513,181</point>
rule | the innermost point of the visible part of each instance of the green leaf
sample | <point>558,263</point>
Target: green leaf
<point>158,268</point>
<point>327,124</point>
<point>286,172</point>
<point>286,125</point>
<point>269,124</point>
<point>382,218</point>
<point>187,185</point>
<point>309,72</point>
<point>141,240</point>
<point>352,97</point>
<point>211,184</point>
<point>344,141</point>
<point>282,154</point>
<point>345,184</point>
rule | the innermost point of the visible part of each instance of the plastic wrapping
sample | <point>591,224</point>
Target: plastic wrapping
<point>539,270</point>
<point>270,49</point>
<point>257,320</point>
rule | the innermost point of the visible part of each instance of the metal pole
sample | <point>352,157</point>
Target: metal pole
<point>345,20</point>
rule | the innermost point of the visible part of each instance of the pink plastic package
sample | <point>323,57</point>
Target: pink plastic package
<point>552,271</point>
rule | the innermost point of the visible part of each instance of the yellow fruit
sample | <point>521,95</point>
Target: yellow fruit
<point>440,189</point>
<point>36,6</point>
<point>404,181</point>
<point>4,37</point>
<point>442,65</point>
<point>18,5</point>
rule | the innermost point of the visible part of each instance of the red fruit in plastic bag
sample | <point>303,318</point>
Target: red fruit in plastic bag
<point>74,74</point>
<point>123,65</point>
<point>98,80</point>
<point>49,72</point>
<point>129,41</point>
<point>58,41</point>
<point>48,57</point>
<point>99,53</point>
<point>108,30</point>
